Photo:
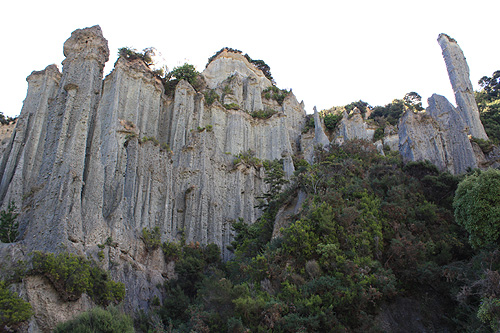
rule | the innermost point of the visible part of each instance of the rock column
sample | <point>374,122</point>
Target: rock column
<point>69,131</point>
<point>458,72</point>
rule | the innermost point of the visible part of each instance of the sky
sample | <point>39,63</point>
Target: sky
<point>329,52</point>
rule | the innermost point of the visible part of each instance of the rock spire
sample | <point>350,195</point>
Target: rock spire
<point>458,72</point>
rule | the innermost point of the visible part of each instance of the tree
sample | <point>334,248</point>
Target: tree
<point>13,309</point>
<point>491,85</point>
<point>477,207</point>
<point>185,72</point>
<point>413,100</point>
<point>8,224</point>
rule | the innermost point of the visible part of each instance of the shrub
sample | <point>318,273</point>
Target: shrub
<point>73,275</point>
<point>485,145</point>
<point>248,158</point>
<point>98,320</point>
<point>275,93</point>
<point>13,309</point>
<point>477,207</point>
<point>332,120</point>
<point>232,106</point>
<point>151,238</point>
<point>379,134</point>
<point>8,224</point>
<point>263,114</point>
<point>211,96</point>
<point>186,72</point>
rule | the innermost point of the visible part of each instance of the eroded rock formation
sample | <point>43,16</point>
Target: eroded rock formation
<point>458,72</point>
<point>93,159</point>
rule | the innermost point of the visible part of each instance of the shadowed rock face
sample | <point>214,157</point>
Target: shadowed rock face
<point>439,135</point>
<point>458,72</point>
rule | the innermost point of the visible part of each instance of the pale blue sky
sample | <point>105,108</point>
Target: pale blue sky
<point>329,52</point>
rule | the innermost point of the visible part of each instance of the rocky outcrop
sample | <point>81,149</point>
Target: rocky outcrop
<point>458,72</point>
<point>353,126</point>
<point>439,135</point>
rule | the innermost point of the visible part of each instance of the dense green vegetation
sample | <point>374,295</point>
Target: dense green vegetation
<point>109,320</point>
<point>477,207</point>
<point>8,224</point>
<point>275,93</point>
<point>371,230</point>
<point>488,102</point>
<point>72,275</point>
<point>13,309</point>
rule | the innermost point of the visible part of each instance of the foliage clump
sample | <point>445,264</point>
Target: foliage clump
<point>185,72</point>
<point>8,224</point>
<point>108,320</point>
<point>211,96</point>
<point>248,158</point>
<point>263,114</point>
<point>72,275</point>
<point>275,93</point>
<point>488,102</point>
<point>13,309</point>
<point>477,207</point>
<point>151,238</point>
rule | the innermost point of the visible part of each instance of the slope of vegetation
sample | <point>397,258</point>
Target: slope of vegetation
<point>370,231</point>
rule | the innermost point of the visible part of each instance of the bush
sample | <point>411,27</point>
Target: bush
<point>477,207</point>
<point>186,72</point>
<point>263,114</point>
<point>98,320</point>
<point>13,309</point>
<point>73,275</point>
<point>331,121</point>
<point>151,238</point>
<point>232,106</point>
<point>211,96</point>
<point>8,224</point>
<point>275,93</point>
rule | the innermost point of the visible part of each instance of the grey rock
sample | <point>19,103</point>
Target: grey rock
<point>353,126</point>
<point>458,72</point>
<point>439,135</point>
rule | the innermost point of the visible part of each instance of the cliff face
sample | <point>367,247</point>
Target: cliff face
<point>90,160</point>
<point>93,159</point>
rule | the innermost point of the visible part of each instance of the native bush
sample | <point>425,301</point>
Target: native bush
<point>151,238</point>
<point>108,320</point>
<point>72,275</point>
<point>13,309</point>
<point>477,207</point>
<point>8,224</point>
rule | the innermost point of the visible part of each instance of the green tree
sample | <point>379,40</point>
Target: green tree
<point>13,309</point>
<point>477,207</point>
<point>185,72</point>
<point>8,224</point>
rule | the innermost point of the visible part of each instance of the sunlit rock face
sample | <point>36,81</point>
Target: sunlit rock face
<point>458,72</point>
<point>94,159</point>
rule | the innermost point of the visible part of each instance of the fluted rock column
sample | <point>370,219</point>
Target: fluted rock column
<point>22,158</point>
<point>458,72</point>
<point>57,202</point>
